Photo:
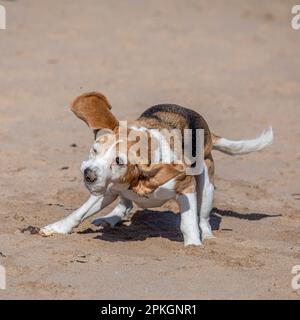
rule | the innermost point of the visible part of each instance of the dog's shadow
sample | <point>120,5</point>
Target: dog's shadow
<point>149,224</point>
<point>143,224</point>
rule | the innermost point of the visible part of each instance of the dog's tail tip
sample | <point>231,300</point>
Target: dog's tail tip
<point>239,147</point>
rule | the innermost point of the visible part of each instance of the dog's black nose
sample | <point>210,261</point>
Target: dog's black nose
<point>89,175</point>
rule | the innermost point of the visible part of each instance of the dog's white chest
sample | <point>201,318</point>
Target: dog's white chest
<point>155,199</point>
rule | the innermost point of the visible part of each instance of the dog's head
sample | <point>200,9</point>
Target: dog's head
<point>111,159</point>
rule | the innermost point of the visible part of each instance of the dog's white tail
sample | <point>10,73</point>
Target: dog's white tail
<point>236,147</point>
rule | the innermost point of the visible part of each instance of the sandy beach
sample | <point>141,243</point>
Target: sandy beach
<point>235,62</point>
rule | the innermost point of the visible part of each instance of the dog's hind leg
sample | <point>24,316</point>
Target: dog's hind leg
<point>117,215</point>
<point>205,195</point>
<point>92,206</point>
<point>189,219</point>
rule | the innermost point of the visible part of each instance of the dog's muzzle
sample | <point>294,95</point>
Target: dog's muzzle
<point>89,175</point>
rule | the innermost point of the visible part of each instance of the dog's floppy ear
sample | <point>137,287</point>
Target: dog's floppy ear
<point>94,109</point>
<point>155,175</point>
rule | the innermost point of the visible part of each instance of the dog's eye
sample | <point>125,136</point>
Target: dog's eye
<point>119,161</point>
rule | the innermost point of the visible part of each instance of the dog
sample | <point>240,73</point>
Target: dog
<point>149,184</point>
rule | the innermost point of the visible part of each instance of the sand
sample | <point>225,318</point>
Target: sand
<point>235,62</point>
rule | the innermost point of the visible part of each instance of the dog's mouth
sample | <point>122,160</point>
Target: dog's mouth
<point>94,187</point>
<point>94,191</point>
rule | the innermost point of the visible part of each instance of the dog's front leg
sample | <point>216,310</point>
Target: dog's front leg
<point>189,219</point>
<point>120,211</point>
<point>66,225</point>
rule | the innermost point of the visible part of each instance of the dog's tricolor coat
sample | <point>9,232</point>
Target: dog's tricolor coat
<point>148,185</point>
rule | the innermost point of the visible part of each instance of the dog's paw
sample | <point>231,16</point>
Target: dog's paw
<point>57,227</point>
<point>207,234</point>
<point>106,221</point>
<point>192,242</point>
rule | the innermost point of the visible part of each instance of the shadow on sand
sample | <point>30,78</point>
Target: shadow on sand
<point>148,224</point>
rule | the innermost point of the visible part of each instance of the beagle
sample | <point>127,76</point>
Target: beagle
<point>111,173</point>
